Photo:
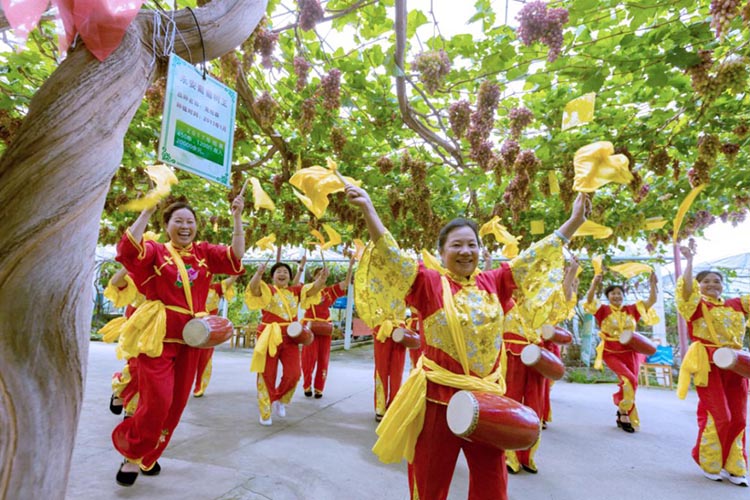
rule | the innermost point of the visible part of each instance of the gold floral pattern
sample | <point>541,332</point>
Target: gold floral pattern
<point>728,324</point>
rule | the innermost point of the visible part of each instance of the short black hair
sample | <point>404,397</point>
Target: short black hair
<point>452,226</point>
<point>167,214</point>
<point>613,287</point>
<point>281,264</point>
<point>699,277</point>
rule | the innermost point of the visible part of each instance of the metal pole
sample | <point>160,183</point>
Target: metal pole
<point>349,314</point>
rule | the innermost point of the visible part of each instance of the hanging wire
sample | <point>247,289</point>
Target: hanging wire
<point>203,47</point>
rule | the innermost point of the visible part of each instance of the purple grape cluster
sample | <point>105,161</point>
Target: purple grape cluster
<point>730,151</point>
<point>659,160</point>
<point>722,14</point>
<point>384,164</point>
<point>307,115</point>
<point>265,42</point>
<point>538,23</point>
<point>330,87</point>
<point>265,108</point>
<point>301,69</point>
<point>482,154</point>
<point>699,173</point>
<point>742,129</point>
<point>310,12</point>
<point>642,192</point>
<point>483,118</point>
<point>338,140</point>
<point>459,114</point>
<point>433,66</point>
<point>520,118</point>
<point>509,151</point>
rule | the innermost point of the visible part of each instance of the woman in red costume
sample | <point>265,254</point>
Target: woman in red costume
<point>463,313</point>
<point>319,352</point>
<point>175,278</point>
<point>278,304</point>
<point>613,319</point>
<point>524,383</point>
<point>714,322</point>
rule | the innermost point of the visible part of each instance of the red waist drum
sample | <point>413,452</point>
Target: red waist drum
<point>406,337</point>
<point>543,361</point>
<point>737,361</point>
<point>491,419</point>
<point>638,342</point>
<point>208,331</point>
<point>299,333</point>
<point>556,334</point>
<point>321,328</point>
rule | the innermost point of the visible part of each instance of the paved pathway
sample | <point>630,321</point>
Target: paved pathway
<point>321,450</point>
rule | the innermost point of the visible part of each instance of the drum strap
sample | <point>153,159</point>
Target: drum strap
<point>186,289</point>
<point>454,325</point>
<point>708,316</point>
<point>285,303</point>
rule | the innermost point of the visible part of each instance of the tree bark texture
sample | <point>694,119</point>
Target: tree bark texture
<point>53,181</point>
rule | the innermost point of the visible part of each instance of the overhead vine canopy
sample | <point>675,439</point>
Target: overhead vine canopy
<point>469,124</point>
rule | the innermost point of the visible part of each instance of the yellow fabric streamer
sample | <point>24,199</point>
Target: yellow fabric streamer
<point>653,223</point>
<point>111,331</point>
<point>591,228</point>
<point>599,354</point>
<point>359,248</point>
<point>144,331</point>
<point>267,242</point>
<point>648,316</point>
<point>316,183</point>
<point>163,178</point>
<point>597,165</point>
<point>684,207</point>
<point>432,262</point>
<point>334,238</point>
<point>268,343</point>
<point>579,111</point>
<point>537,227</point>
<point>630,269</point>
<point>502,235</point>
<point>695,364</point>
<point>399,430</point>
<point>554,185</point>
<point>596,263</point>
<point>121,297</point>
<point>260,198</point>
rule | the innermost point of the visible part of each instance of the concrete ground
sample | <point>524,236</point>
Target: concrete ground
<point>321,450</point>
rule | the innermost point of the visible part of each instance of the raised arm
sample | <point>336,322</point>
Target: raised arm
<point>139,226</point>
<point>345,284</point>
<point>238,235</point>
<point>255,281</point>
<point>688,252</point>
<point>319,283</point>
<point>118,279</point>
<point>577,216</point>
<point>487,260</point>
<point>359,197</point>
<point>300,270</point>
<point>653,291</point>
<point>569,281</point>
<point>592,289</point>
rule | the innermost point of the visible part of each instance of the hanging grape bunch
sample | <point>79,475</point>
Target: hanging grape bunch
<point>384,165</point>
<point>518,193</point>
<point>301,70</point>
<point>658,161</point>
<point>307,115</point>
<point>330,88</point>
<point>310,13</point>
<point>155,96</point>
<point>520,118</point>
<point>265,42</point>
<point>538,23</point>
<point>708,148</point>
<point>395,202</point>
<point>265,108</point>
<point>741,130</point>
<point>482,122</point>
<point>700,79</point>
<point>566,184</point>
<point>722,14</point>
<point>699,173</point>
<point>338,140</point>
<point>433,66</point>
<point>278,182</point>
<point>509,151</point>
<point>732,75</point>
<point>730,151</point>
<point>498,169</point>
<point>676,171</point>
<point>8,126</point>
<point>459,114</point>
<point>229,65</point>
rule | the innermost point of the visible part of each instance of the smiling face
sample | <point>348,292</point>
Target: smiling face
<point>281,276</point>
<point>182,227</point>
<point>711,285</point>
<point>460,252</point>
<point>615,297</point>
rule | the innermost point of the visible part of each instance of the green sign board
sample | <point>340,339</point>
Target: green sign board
<point>198,123</point>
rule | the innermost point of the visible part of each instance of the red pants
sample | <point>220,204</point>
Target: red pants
<point>547,411</point>
<point>164,388</point>
<point>125,384</point>
<point>435,458</point>
<point>722,416</point>
<point>526,386</point>
<point>288,355</point>
<point>626,365</point>
<point>318,353</point>
<point>414,355</point>
<point>389,368</point>
<point>203,371</point>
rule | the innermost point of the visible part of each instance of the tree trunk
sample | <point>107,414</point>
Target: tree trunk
<point>53,182</point>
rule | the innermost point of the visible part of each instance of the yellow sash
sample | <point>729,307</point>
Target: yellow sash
<point>696,362</point>
<point>186,289</point>
<point>270,340</point>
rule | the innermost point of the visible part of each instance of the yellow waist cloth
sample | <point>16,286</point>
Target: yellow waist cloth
<point>111,331</point>
<point>144,331</point>
<point>695,364</point>
<point>600,350</point>
<point>385,330</point>
<point>268,342</point>
<point>402,424</point>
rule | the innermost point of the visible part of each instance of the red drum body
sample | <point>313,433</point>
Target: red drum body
<point>556,334</point>
<point>407,338</point>
<point>737,361</point>
<point>637,342</point>
<point>321,328</point>
<point>491,419</point>
<point>543,361</point>
<point>299,333</point>
<point>208,331</point>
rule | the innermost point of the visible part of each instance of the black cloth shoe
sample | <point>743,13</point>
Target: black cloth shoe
<point>378,417</point>
<point>627,427</point>
<point>529,469</point>
<point>511,470</point>
<point>619,423</point>
<point>154,471</point>
<point>318,395</point>
<point>115,408</point>
<point>125,478</point>
<point>308,394</point>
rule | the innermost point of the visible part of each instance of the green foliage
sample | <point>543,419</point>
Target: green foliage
<point>589,376</point>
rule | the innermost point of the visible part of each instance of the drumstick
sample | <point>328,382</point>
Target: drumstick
<point>242,191</point>
<point>341,178</point>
